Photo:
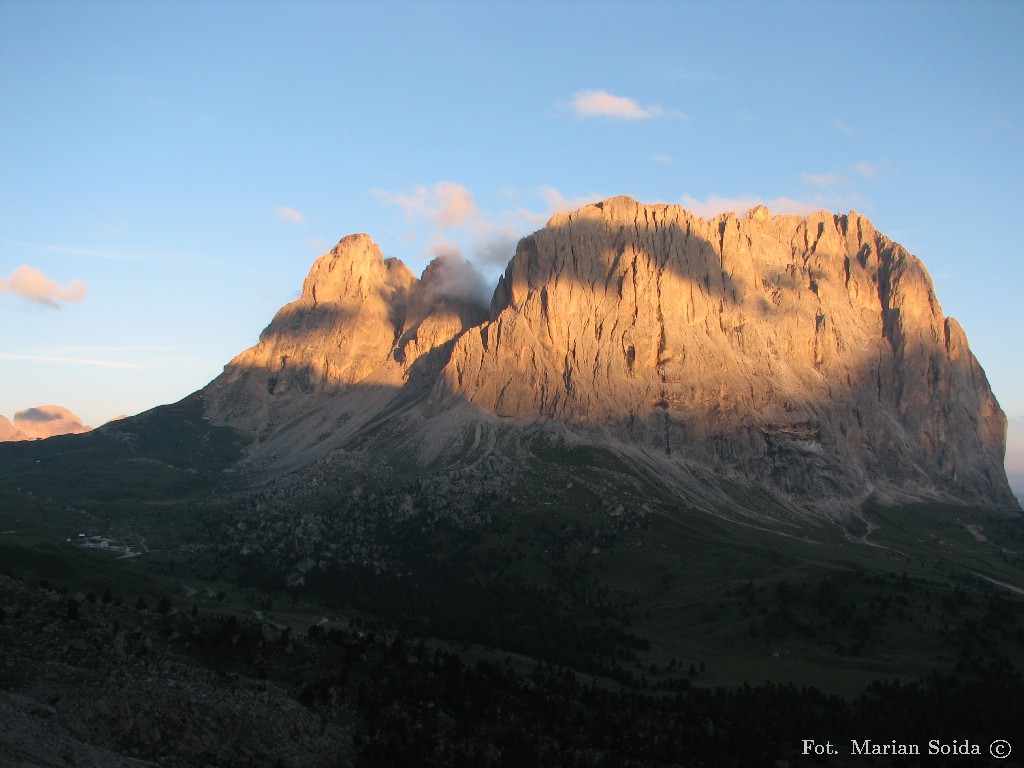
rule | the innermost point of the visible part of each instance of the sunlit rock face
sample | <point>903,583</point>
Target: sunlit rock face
<point>805,357</point>
<point>362,331</point>
<point>810,355</point>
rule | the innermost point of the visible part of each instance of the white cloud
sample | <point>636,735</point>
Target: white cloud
<point>284,213</point>
<point>28,282</point>
<point>603,104</point>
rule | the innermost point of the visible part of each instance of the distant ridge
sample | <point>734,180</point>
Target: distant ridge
<point>41,422</point>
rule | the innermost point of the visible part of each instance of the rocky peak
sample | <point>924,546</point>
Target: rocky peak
<point>364,325</point>
<point>807,354</point>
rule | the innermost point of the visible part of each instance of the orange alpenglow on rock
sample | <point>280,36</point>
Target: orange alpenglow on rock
<point>805,360</point>
<point>41,422</point>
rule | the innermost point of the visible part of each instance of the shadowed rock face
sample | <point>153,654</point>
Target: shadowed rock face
<point>807,357</point>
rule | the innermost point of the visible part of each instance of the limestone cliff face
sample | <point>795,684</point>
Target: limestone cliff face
<point>803,358</point>
<point>337,332</point>
<point>363,327</point>
<point>808,355</point>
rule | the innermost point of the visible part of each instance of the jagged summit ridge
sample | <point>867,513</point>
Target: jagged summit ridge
<point>807,357</point>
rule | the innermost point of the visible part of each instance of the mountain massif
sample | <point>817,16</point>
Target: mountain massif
<point>800,365</point>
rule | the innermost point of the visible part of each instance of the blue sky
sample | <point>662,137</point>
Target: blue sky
<point>169,171</point>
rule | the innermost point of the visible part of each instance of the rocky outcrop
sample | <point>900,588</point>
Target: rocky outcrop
<point>805,359</point>
<point>86,683</point>
<point>41,422</point>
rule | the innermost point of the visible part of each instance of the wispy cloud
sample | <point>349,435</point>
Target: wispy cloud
<point>823,180</point>
<point>450,213</point>
<point>587,104</point>
<point>558,203</point>
<point>29,283</point>
<point>714,205</point>
<point>446,204</point>
<point>92,349</point>
<point>841,126</point>
<point>64,249</point>
<point>867,170</point>
<point>317,244</point>
<point>72,361</point>
<point>142,255</point>
<point>284,213</point>
<point>114,229</point>
<point>872,170</point>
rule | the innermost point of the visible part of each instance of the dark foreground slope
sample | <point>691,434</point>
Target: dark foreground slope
<point>93,681</point>
<point>569,618</point>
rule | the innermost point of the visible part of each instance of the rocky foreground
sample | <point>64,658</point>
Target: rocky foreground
<point>96,682</point>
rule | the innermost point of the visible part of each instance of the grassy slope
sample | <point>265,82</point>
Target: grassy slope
<point>738,603</point>
<point>825,607</point>
<point>142,481</point>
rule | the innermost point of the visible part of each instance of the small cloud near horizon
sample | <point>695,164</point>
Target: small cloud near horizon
<point>290,215</point>
<point>586,104</point>
<point>30,283</point>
